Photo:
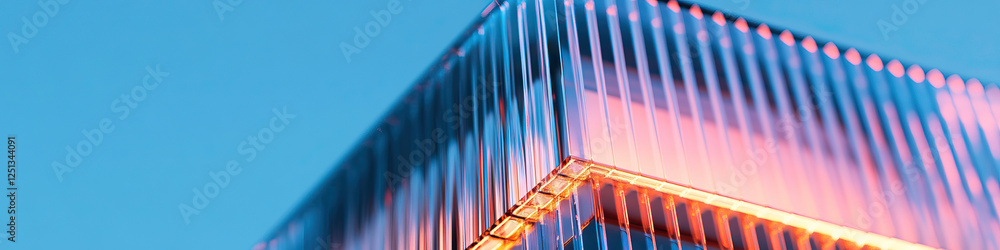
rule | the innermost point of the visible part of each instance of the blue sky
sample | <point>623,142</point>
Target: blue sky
<point>222,79</point>
<point>225,77</point>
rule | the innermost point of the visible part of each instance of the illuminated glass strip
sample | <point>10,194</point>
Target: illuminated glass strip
<point>506,232</point>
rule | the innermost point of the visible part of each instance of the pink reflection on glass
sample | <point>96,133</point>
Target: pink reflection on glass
<point>673,6</point>
<point>874,62</point>
<point>696,11</point>
<point>809,44</point>
<point>786,37</point>
<point>764,31</point>
<point>985,117</point>
<point>741,25</point>
<point>895,68</point>
<point>956,84</point>
<point>831,50</point>
<point>852,56</point>
<point>916,73</point>
<point>718,18</point>
<point>935,78</point>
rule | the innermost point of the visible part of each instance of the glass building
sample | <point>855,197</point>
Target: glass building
<point>625,124</point>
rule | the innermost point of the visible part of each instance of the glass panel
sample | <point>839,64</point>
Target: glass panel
<point>607,124</point>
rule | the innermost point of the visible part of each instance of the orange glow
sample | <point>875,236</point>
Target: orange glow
<point>764,31</point>
<point>489,243</point>
<point>505,232</point>
<point>613,10</point>
<point>935,78</point>
<point>508,228</point>
<point>696,11</point>
<point>852,56</point>
<point>741,25</point>
<point>673,6</point>
<point>895,68</point>
<point>874,62</point>
<point>787,38</point>
<point>718,18</point>
<point>916,73</point>
<point>956,84</point>
<point>633,16</point>
<point>831,50</point>
<point>589,5</point>
<point>809,44</point>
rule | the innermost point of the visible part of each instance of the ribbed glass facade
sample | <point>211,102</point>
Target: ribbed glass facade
<point>625,124</point>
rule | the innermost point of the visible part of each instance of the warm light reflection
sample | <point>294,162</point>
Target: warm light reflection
<point>975,87</point>
<point>852,56</point>
<point>696,11</point>
<point>831,50</point>
<point>674,6</point>
<point>764,31</point>
<point>935,78</point>
<point>916,73</point>
<point>718,18</point>
<point>741,25</point>
<point>505,232</point>
<point>895,68</point>
<point>809,44</point>
<point>786,37</point>
<point>874,62</point>
<point>956,84</point>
